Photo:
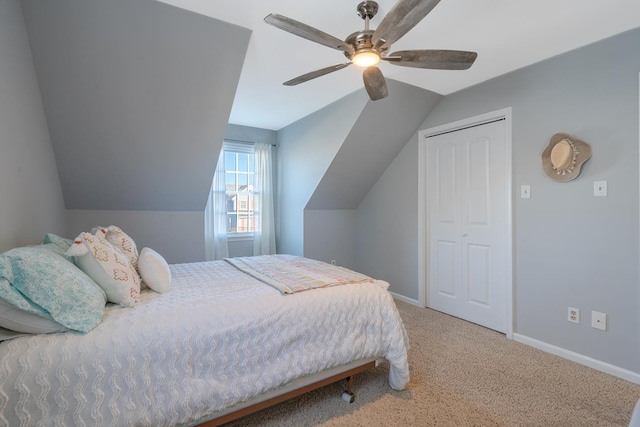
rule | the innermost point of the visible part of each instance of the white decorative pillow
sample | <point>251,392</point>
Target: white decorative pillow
<point>120,240</point>
<point>154,270</point>
<point>109,268</point>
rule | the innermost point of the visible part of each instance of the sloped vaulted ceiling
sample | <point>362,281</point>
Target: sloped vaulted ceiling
<point>377,136</point>
<point>137,96</point>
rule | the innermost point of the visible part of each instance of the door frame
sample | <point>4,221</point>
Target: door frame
<point>423,227</point>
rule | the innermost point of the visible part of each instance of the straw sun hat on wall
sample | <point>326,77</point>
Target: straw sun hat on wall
<point>564,156</point>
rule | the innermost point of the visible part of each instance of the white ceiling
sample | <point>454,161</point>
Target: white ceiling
<point>506,34</point>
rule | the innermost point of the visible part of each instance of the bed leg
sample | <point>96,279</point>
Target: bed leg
<point>347,395</point>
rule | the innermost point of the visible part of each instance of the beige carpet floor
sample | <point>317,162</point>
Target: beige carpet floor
<point>465,375</point>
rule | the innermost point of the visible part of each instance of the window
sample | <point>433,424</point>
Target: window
<point>239,165</point>
<point>240,202</point>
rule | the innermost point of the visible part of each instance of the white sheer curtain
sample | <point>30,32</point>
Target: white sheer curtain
<point>215,216</point>
<point>264,240</point>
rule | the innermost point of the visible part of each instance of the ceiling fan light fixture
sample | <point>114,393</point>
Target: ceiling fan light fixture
<point>365,58</point>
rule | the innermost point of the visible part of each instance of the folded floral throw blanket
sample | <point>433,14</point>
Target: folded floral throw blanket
<point>290,273</point>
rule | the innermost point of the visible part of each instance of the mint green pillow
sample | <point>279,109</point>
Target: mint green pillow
<point>61,242</point>
<point>38,280</point>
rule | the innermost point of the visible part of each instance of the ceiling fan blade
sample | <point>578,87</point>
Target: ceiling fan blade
<point>433,59</point>
<point>305,31</point>
<point>312,75</point>
<point>374,83</point>
<point>401,18</point>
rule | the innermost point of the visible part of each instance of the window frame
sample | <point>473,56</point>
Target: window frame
<point>239,148</point>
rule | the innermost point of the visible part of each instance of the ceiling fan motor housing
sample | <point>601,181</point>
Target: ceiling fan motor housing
<point>361,42</point>
<point>367,9</point>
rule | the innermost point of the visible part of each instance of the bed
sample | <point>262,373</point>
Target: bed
<point>218,344</point>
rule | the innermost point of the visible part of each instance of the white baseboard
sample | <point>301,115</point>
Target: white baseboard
<point>598,365</point>
<point>407,300</point>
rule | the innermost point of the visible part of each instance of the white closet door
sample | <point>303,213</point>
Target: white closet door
<point>467,211</point>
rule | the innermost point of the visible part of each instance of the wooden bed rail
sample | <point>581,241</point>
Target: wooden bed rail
<point>348,374</point>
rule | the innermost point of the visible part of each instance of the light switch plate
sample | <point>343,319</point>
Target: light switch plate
<point>525,192</point>
<point>599,188</point>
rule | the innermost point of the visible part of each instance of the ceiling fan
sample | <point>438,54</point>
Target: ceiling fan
<point>367,47</point>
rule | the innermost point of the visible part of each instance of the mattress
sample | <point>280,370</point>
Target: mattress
<point>218,337</point>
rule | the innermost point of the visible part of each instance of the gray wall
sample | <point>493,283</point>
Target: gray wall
<point>305,151</point>
<point>387,228</point>
<point>571,248</point>
<point>250,134</point>
<point>177,236</point>
<point>330,235</point>
<point>30,194</point>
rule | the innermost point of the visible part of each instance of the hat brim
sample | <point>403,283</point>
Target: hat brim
<point>582,153</point>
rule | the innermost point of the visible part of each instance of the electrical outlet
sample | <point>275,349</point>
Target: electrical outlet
<point>573,315</point>
<point>599,320</point>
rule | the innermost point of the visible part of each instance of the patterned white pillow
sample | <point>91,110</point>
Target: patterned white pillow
<point>120,240</point>
<point>109,268</point>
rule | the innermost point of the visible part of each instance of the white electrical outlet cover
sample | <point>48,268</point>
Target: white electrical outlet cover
<point>573,315</point>
<point>600,188</point>
<point>599,320</point>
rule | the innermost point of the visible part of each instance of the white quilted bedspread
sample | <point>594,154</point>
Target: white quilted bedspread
<point>217,338</point>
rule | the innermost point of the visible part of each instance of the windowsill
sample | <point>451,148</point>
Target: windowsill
<point>237,237</point>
